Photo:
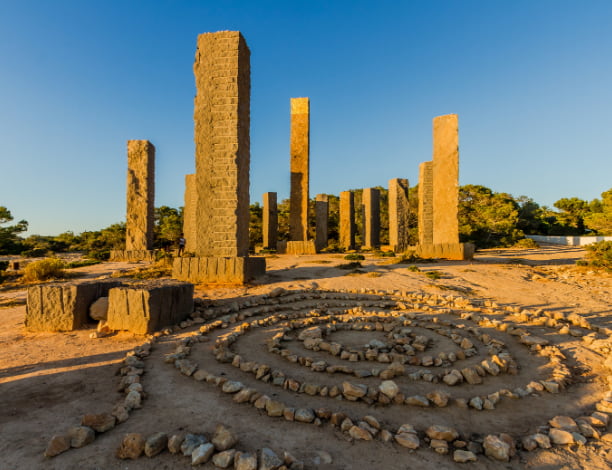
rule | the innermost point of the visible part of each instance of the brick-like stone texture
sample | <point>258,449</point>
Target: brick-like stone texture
<point>321,218</point>
<point>399,210</point>
<point>426,203</point>
<point>232,270</point>
<point>347,220</point>
<point>147,307</point>
<point>446,179</point>
<point>270,221</point>
<point>140,195</point>
<point>456,251</point>
<point>296,248</point>
<point>132,256</point>
<point>65,306</point>
<point>222,123</point>
<point>190,213</point>
<point>300,169</point>
<point>371,217</point>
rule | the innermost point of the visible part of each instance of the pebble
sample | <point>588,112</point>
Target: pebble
<point>359,433</point>
<point>99,422</point>
<point>223,439</point>
<point>268,460</point>
<point>496,448</point>
<point>444,433</point>
<point>463,456</point>
<point>245,461</point>
<point>274,408</point>
<point>132,446</point>
<point>224,459</point>
<point>304,415</point>
<point>560,437</point>
<point>191,442</point>
<point>202,454</point>
<point>58,444</point>
<point>81,436</point>
<point>155,444</point>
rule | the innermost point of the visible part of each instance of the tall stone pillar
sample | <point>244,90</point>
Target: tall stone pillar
<point>322,218</point>
<point>140,195</point>
<point>398,214</point>
<point>222,148</point>
<point>446,179</point>
<point>300,169</point>
<point>426,203</point>
<point>270,221</point>
<point>370,200</point>
<point>189,213</point>
<point>347,220</point>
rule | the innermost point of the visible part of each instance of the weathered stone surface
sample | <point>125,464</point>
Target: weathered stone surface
<point>359,433</point>
<point>218,269</point>
<point>270,221</point>
<point>140,195</point>
<point>133,400</point>
<point>98,310</point>
<point>347,220</point>
<point>202,454</point>
<point>370,200</point>
<point>456,251</point>
<point>439,446</point>
<point>496,448</point>
<point>58,444</point>
<point>542,440</point>
<point>268,460</point>
<point>155,444</point>
<point>321,219</point>
<point>191,442</point>
<point>132,446</point>
<point>148,306</point>
<point>121,413</point>
<point>245,461</point>
<point>560,437</point>
<point>304,415</point>
<point>389,388</point>
<point>398,214</point>
<point>425,195</point>
<point>407,439</point>
<point>81,436</point>
<point>224,459</point>
<point>564,422</point>
<point>294,247</point>
<point>300,169</point>
<point>232,386</point>
<point>463,456</point>
<point>190,213</point>
<point>439,398</point>
<point>354,391</point>
<point>223,439</point>
<point>471,376</point>
<point>274,408</point>
<point>175,441</point>
<point>99,422</point>
<point>444,433</point>
<point>314,332</point>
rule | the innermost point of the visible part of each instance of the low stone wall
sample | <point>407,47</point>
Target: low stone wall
<point>63,307</point>
<point>567,240</point>
<point>296,247</point>
<point>218,269</point>
<point>456,251</point>
<point>132,256</point>
<point>146,307</point>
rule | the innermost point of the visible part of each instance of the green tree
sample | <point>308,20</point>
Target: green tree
<point>573,210</point>
<point>168,226</point>
<point>255,225</point>
<point>487,218</point>
<point>599,217</point>
<point>10,242</point>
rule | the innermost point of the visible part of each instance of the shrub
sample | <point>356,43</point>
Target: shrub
<point>354,257</point>
<point>433,274</point>
<point>44,269</point>
<point>353,265</point>
<point>526,243</point>
<point>100,255</point>
<point>384,254</point>
<point>413,268</point>
<point>35,252</point>
<point>599,255</point>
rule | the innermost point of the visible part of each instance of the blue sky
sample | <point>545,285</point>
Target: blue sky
<point>530,81</point>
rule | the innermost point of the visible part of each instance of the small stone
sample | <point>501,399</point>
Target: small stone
<point>121,413</point>
<point>564,422</point>
<point>471,376</point>
<point>417,400</point>
<point>223,439</point>
<point>560,437</point>
<point>354,391</point>
<point>357,432</point>
<point>529,443</point>
<point>245,461</point>
<point>99,422</point>
<point>133,400</point>
<point>542,440</point>
<point>389,388</point>
<point>191,442</point>
<point>132,446</point>
<point>496,448</point>
<point>155,444</point>
<point>202,454</point>
<point>243,395</point>
<point>274,408</point>
<point>372,421</point>
<point>311,333</point>
<point>453,378</point>
<point>444,433</point>
<point>261,402</point>
<point>81,436</point>
<point>186,366</point>
<point>346,425</point>
<point>579,438</point>
<point>466,344</point>
<point>268,460</point>
<point>385,436</point>
<point>322,457</point>
<point>407,439</point>
<point>58,444</point>
<point>600,419</point>
<point>224,459</point>
<point>438,398</point>
<point>476,403</point>
<point>232,386</point>
<point>98,310</point>
<point>304,415</point>
<point>174,443</point>
<point>463,456</point>
<point>439,446</point>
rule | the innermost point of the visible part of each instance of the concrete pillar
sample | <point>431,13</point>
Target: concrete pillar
<point>321,217</point>
<point>189,213</point>
<point>398,214</point>
<point>371,217</point>
<point>347,220</point>
<point>140,195</point>
<point>270,221</point>
<point>426,203</point>
<point>300,169</point>
<point>445,179</point>
<point>222,123</point>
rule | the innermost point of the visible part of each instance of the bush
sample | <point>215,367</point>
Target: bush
<point>44,269</point>
<point>599,255</point>
<point>433,274</point>
<point>354,257</point>
<point>353,265</point>
<point>35,252</point>
<point>526,243</point>
<point>384,254</point>
<point>100,255</point>
<point>413,268</point>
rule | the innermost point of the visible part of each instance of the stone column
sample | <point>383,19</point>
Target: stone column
<point>270,221</point>
<point>426,203</point>
<point>322,216</point>
<point>140,195</point>
<point>371,217</point>
<point>189,213</point>
<point>398,214</point>
<point>347,220</point>
<point>300,169</point>
<point>445,179</point>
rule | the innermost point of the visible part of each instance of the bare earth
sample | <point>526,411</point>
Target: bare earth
<point>49,380</point>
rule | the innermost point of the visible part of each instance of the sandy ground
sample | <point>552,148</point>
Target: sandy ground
<point>49,380</point>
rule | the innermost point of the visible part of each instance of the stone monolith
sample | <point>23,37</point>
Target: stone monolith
<point>321,218</point>
<point>398,214</point>
<point>347,220</point>
<point>300,169</point>
<point>370,201</point>
<point>270,221</point>
<point>140,195</point>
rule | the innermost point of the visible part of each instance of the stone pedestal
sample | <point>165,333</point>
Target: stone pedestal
<point>455,251</point>
<point>132,256</point>
<point>296,248</point>
<point>230,270</point>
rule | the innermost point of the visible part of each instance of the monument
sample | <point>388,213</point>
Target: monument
<point>347,220</point>
<point>398,214</point>
<point>322,219</point>
<point>189,213</point>
<point>371,217</point>
<point>222,141</point>
<point>270,221</point>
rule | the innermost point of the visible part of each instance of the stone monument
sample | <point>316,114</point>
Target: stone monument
<point>270,221</point>
<point>322,218</point>
<point>398,214</point>
<point>347,220</point>
<point>222,141</point>
<point>371,217</point>
<point>189,213</point>
<point>426,203</point>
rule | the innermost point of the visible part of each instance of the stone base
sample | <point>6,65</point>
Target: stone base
<point>63,307</point>
<point>146,307</point>
<point>234,270</point>
<point>296,248</point>
<point>132,256</point>
<point>457,251</point>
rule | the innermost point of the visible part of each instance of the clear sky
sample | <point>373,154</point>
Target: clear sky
<point>529,79</point>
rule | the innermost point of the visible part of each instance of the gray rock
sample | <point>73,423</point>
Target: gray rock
<point>304,415</point>
<point>314,332</point>
<point>81,436</point>
<point>245,461</point>
<point>564,422</point>
<point>223,438</point>
<point>186,366</point>
<point>268,460</point>
<point>224,459</point>
<point>496,448</point>
<point>155,444</point>
<point>463,456</point>
<point>133,400</point>
<point>202,454</point>
<point>389,388</point>
<point>232,386</point>
<point>190,443</point>
<point>542,440</point>
<point>417,400</point>
<point>174,443</point>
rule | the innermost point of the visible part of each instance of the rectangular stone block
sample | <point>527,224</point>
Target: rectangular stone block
<point>231,270</point>
<point>65,306</point>
<point>300,169</point>
<point>445,179</point>
<point>296,248</point>
<point>426,203</point>
<point>132,256</point>
<point>399,211</point>
<point>140,195</point>
<point>147,307</point>
<point>455,251</point>
<point>222,141</point>
<point>371,217</point>
<point>321,218</point>
<point>270,221</point>
<point>190,213</point>
<point>347,220</point>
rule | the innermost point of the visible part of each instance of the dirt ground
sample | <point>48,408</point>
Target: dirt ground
<point>48,381</point>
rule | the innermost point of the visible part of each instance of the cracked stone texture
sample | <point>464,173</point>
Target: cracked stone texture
<point>425,203</point>
<point>189,213</point>
<point>300,168</point>
<point>140,195</point>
